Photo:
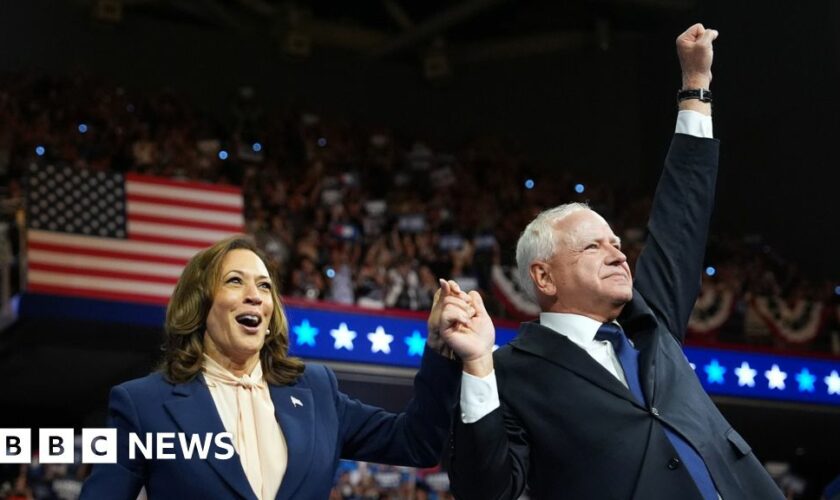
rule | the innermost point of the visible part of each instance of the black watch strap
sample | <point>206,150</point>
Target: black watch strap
<point>701,95</point>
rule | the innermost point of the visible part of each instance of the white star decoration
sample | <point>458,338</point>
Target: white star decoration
<point>746,375</point>
<point>833,383</point>
<point>380,341</point>
<point>775,377</point>
<point>343,337</point>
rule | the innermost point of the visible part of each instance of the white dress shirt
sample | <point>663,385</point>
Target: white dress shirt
<point>480,395</point>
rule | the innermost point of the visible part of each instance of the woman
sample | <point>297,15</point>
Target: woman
<point>226,369</point>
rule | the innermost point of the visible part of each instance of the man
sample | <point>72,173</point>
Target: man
<point>581,412</point>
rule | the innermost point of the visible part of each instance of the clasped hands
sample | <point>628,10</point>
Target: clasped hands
<point>459,324</point>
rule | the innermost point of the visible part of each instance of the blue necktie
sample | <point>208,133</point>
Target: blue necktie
<point>628,356</point>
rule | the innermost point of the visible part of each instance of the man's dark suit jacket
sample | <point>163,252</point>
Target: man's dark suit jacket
<point>570,429</point>
<point>320,425</point>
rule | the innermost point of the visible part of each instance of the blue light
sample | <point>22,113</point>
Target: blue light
<point>39,150</point>
<point>306,333</point>
<point>223,155</point>
<point>714,372</point>
<point>82,128</point>
<point>416,343</point>
<point>322,142</point>
<point>330,273</point>
<point>806,380</point>
<point>711,271</point>
<point>837,290</point>
<point>579,188</point>
<point>256,147</point>
<point>529,183</point>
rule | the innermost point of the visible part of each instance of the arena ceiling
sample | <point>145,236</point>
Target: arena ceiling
<point>467,30</point>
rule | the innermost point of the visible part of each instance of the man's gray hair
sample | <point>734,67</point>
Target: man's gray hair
<point>538,242</point>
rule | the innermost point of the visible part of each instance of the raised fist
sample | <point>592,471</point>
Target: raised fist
<point>694,49</point>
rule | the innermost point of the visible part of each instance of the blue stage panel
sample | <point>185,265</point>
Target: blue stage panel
<point>355,335</point>
<point>766,376</point>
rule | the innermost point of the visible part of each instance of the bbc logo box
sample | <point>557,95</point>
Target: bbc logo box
<point>55,446</point>
<point>15,446</point>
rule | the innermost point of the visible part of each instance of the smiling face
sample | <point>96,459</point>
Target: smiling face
<point>241,312</point>
<point>588,274</point>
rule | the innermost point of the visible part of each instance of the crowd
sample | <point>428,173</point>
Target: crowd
<point>365,481</point>
<point>360,215</point>
<point>353,481</point>
<point>43,481</point>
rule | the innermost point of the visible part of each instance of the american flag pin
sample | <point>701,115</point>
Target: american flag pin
<point>295,401</point>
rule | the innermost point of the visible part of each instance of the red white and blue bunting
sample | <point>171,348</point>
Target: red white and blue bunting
<point>712,310</point>
<point>506,288</point>
<point>796,321</point>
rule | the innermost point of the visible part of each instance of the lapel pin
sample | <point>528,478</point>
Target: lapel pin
<point>295,401</point>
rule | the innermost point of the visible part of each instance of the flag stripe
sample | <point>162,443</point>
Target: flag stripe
<point>73,280</point>
<point>95,294</point>
<point>93,252</point>
<point>195,245</point>
<point>181,184</point>
<point>84,262</point>
<point>167,202</point>
<point>103,273</point>
<point>178,233</point>
<point>184,223</point>
<point>180,193</point>
<point>187,215</point>
<point>93,246</point>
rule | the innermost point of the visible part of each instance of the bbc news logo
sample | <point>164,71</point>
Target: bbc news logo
<point>99,446</point>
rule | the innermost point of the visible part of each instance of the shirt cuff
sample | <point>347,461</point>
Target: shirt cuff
<point>479,396</point>
<point>693,123</point>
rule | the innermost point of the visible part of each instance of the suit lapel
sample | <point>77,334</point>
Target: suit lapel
<point>639,324</point>
<point>559,350</point>
<point>194,412</point>
<point>295,411</point>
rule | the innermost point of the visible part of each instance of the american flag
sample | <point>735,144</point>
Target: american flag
<point>121,237</point>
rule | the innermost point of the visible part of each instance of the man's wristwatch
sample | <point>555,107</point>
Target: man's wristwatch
<point>702,95</point>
